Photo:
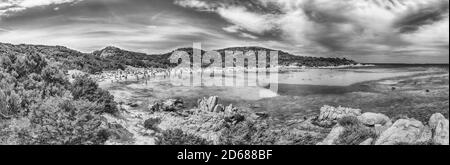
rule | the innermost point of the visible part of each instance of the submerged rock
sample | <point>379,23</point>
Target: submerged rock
<point>439,125</point>
<point>133,105</point>
<point>405,131</point>
<point>262,114</point>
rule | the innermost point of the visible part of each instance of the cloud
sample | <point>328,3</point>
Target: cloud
<point>199,5</point>
<point>246,35</point>
<point>9,7</point>
<point>340,26</point>
<point>247,20</point>
<point>232,29</point>
<point>364,30</point>
<point>238,30</point>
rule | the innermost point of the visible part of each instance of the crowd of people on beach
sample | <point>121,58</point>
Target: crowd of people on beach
<point>145,74</point>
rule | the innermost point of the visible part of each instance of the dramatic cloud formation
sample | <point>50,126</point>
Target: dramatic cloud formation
<point>365,30</point>
<point>9,7</point>
<point>347,27</point>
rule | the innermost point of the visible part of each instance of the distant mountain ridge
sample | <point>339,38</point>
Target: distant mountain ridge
<point>113,58</point>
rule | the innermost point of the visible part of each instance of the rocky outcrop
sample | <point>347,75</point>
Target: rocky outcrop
<point>439,125</point>
<point>170,105</point>
<point>210,104</point>
<point>330,115</point>
<point>405,131</point>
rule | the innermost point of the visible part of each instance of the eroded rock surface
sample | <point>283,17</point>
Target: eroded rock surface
<point>330,115</point>
<point>405,131</point>
<point>439,125</point>
<point>372,119</point>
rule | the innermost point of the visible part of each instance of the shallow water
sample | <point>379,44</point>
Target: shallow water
<point>288,93</point>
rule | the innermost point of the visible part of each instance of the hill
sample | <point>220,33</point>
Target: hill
<point>113,58</point>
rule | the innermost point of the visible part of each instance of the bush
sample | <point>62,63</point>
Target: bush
<point>84,88</point>
<point>178,137</point>
<point>152,123</point>
<point>37,104</point>
<point>348,121</point>
<point>354,132</point>
<point>62,121</point>
<point>247,133</point>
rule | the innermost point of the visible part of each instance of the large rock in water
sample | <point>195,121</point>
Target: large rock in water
<point>439,125</point>
<point>330,115</point>
<point>405,131</point>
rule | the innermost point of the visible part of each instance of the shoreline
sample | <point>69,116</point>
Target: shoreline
<point>137,74</point>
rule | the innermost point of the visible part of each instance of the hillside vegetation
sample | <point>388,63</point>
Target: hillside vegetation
<point>38,105</point>
<point>112,58</point>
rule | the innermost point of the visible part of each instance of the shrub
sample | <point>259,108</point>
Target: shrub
<point>152,123</point>
<point>3,105</point>
<point>348,121</point>
<point>84,88</point>
<point>36,101</point>
<point>178,137</point>
<point>62,121</point>
<point>247,133</point>
<point>354,132</point>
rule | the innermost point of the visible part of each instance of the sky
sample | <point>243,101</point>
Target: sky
<point>373,31</point>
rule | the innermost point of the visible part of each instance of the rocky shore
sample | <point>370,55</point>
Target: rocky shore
<point>378,129</point>
<point>218,124</point>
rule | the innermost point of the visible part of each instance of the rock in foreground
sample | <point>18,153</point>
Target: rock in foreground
<point>439,125</point>
<point>330,115</point>
<point>372,119</point>
<point>405,131</point>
